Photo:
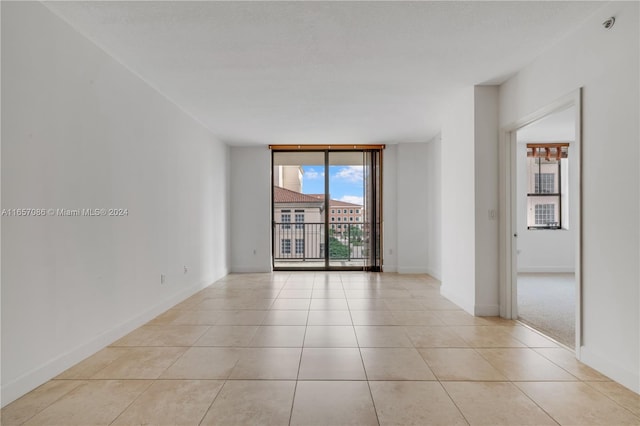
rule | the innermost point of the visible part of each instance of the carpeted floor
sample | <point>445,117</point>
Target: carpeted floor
<point>546,302</point>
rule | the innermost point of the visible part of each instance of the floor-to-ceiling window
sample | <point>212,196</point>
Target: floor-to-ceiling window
<point>326,210</point>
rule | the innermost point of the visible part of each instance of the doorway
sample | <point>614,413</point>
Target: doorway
<point>542,227</point>
<point>326,208</point>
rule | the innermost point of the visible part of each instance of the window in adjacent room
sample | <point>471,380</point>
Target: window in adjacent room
<point>547,190</point>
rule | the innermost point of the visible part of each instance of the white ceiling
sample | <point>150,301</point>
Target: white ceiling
<point>322,72</point>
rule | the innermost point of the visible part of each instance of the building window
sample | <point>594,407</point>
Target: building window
<point>333,211</point>
<point>333,219</point>
<point>285,218</point>
<point>345,219</point>
<point>333,226</point>
<point>547,193</point>
<point>350,218</point>
<point>351,211</point>
<point>299,220</point>
<point>544,183</point>
<point>357,211</point>
<point>285,246</point>
<point>545,214</point>
<point>339,226</point>
<point>338,219</point>
<point>299,245</point>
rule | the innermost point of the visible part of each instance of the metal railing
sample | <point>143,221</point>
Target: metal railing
<point>306,241</point>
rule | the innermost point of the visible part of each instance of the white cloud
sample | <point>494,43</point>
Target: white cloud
<point>353,199</point>
<point>312,174</point>
<point>350,174</point>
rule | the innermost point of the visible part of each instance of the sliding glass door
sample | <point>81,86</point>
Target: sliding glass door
<point>326,209</point>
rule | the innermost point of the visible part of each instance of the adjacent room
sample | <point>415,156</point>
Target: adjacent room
<point>320,212</point>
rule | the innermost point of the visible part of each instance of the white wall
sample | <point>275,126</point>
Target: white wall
<point>458,201</point>
<point>540,250</point>
<point>434,207</point>
<point>605,64</point>
<point>81,131</point>
<point>250,209</point>
<point>411,199</point>
<point>390,208</point>
<point>486,200</point>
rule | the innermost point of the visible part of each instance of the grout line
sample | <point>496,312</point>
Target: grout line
<point>295,388</point>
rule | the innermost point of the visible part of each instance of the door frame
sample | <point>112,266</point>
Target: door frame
<point>377,216</point>
<point>508,209</point>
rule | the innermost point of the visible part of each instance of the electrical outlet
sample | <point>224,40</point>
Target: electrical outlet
<point>163,278</point>
<point>186,269</point>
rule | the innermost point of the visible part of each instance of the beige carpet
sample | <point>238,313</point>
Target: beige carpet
<point>546,302</point>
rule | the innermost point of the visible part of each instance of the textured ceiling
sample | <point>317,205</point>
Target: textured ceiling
<point>322,72</point>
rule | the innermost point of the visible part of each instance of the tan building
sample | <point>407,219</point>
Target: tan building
<point>298,225</point>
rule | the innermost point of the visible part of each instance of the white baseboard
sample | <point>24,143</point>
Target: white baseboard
<point>241,269</point>
<point>39,375</point>
<point>434,273</point>
<point>611,369</point>
<point>389,268</point>
<point>547,269</point>
<point>487,310</point>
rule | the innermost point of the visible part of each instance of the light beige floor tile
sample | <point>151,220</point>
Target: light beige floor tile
<point>291,304</point>
<point>435,337</point>
<point>495,403</point>
<point>524,364</point>
<point>459,317</point>
<point>329,305</point>
<point>204,363</point>
<point>382,337</point>
<point>166,317</point>
<point>395,364</point>
<point>372,317</point>
<point>241,317</point>
<point>404,304</point>
<point>35,401</point>
<point>362,294</point>
<point>235,303</point>
<point>487,337</point>
<point>282,336</point>
<point>530,338</point>
<point>197,318</point>
<point>330,336</point>
<point>331,364</point>
<point>96,362</point>
<point>228,335</point>
<point>394,293</point>
<point>140,363</point>
<point>163,335</point>
<point>414,403</point>
<point>252,403</point>
<point>267,364</point>
<point>438,304</point>
<point>171,402</point>
<point>333,403</point>
<point>416,318</point>
<point>623,396</point>
<point>367,305</point>
<point>96,402</point>
<point>575,403</point>
<point>567,360</point>
<point>329,318</point>
<point>286,317</point>
<point>295,294</point>
<point>460,364</point>
<point>337,293</point>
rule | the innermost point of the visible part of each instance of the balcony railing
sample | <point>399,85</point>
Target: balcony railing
<point>306,241</point>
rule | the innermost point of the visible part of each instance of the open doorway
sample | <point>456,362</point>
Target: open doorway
<point>542,238</point>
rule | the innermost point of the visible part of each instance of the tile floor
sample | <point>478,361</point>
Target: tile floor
<point>327,349</point>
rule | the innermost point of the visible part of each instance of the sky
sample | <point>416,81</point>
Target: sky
<point>345,182</point>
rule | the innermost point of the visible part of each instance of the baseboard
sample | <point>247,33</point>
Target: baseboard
<point>434,273</point>
<point>487,310</point>
<point>463,304</point>
<point>412,270</point>
<point>547,269</point>
<point>627,378</point>
<point>36,377</point>
<point>389,268</point>
<point>240,269</point>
